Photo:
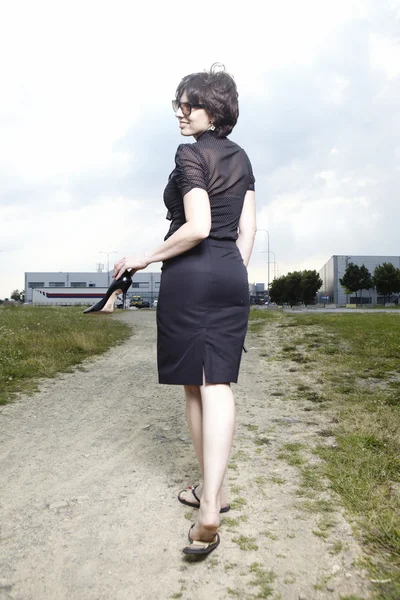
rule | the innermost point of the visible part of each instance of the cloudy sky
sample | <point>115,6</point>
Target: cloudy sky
<point>88,136</point>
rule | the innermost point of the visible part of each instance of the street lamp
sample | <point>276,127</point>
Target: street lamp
<point>267,232</point>
<point>108,263</point>
<point>274,262</point>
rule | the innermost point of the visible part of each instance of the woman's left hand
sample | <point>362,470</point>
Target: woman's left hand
<point>130,263</point>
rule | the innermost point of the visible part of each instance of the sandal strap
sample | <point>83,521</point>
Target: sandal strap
<point>193,488</point>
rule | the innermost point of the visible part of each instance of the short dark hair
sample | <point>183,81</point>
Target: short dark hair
<point>217,90</point>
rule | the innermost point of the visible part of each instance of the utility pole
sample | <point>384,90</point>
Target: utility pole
<point>108,263</point>
<point>267,232</point>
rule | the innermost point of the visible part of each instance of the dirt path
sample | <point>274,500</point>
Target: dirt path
<point>91,465</point>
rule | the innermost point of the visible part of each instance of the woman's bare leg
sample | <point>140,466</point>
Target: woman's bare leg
<point>218,408</point>
<point>194,414</point>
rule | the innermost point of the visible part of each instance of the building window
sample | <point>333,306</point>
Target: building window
<point>57,284</point>
<point>157,284</point>
<point>78,283</point>
<point>92,285</point>
<point>140,284</point>
<point>35,284</point>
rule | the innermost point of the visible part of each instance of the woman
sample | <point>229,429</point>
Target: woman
<point>203,304</point>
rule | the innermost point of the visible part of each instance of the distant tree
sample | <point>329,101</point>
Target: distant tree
<point>356,278</point>
<point>366,281</point>
<point>16,295</point>
<point>294,287</point>
<point>387,280</point>
<point>277,291</point>
<point>310,284</point>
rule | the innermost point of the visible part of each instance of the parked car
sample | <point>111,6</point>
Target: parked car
<point>139,302</point>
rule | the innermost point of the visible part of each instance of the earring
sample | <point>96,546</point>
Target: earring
<point>212,127</point>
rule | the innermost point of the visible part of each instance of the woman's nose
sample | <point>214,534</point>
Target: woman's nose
<point>179,113</point>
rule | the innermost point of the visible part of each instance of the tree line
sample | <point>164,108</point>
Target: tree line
<point>385,278</point>
<point>301,287</point>
<point>295,288</point>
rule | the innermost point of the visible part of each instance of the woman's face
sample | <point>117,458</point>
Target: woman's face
<point>194,124</point>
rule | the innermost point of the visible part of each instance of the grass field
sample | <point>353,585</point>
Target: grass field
<point>357,356</point>
<point>40,342</point>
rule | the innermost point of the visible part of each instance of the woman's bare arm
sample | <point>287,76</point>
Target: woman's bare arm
<point>247,227</point>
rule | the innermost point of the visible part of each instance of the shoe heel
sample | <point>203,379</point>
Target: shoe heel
<point>109,306</point>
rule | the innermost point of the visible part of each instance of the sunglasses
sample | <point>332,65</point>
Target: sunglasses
<point>186,107</point>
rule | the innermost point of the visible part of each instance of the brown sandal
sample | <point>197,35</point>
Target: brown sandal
<point>199,547</point>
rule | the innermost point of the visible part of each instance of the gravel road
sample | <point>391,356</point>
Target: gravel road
<point>91,464</point>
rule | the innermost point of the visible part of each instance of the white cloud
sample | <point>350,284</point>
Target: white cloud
<point>88,136</point>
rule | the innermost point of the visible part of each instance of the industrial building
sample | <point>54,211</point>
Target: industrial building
<point>86,288</point>
<point>331,290</point>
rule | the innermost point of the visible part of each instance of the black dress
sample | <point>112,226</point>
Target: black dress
<point>203,304</point>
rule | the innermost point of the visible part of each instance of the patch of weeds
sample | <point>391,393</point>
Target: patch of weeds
<point>212,562</point>
<point>177,595</point>
<point>188,515</point>
<point>314,397</point>
<point>291,536</point>
<point>289,348</point>
<point>262,441</point>
<point>258,450</point>
<point>277,394</point>
<point>230,522</point>
<point>336,547</point>
<point>290,453</point>
<point>321,585</point>
<point>278,480</point>
<point>326,433</point>
<point>245,543</point>
<point>262,579</point>
<point>251,427</point>
<point>236,489</point>
<point>260,480</point>
<point>238,503</point>
<point>292,369</point>
<point>345,389</point>
<point>317,506</point>
<point>393,399</point>
<point>330,350</point>
<point>233,466</point>
<point>280,555</point>
<point>289,578</point>
<point>235,593</point>
<point>312,478</point>
<point>240,455</point>
<point>302,387</point>
<point>228,566</point>
<point>300,358</point>
<point>270,535</point>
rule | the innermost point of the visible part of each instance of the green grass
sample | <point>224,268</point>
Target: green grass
<point>40,342</point>
<point>259,318</point>
<point>245,543</point>
<point>358,358</point>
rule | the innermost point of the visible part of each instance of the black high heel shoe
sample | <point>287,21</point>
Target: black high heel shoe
<point>119,286</point>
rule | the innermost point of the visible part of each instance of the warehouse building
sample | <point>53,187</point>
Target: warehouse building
<point>331,290</point>
<point>84,288</point>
